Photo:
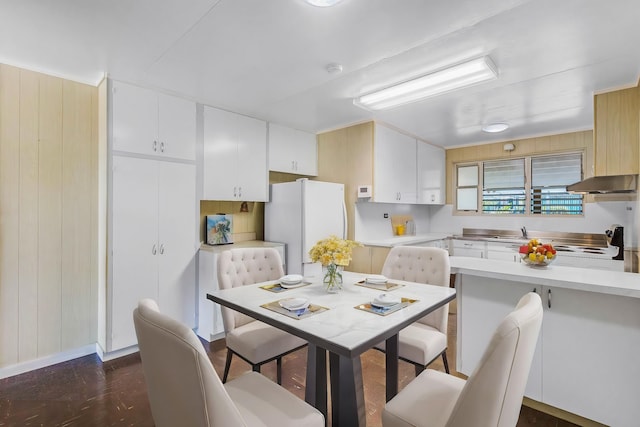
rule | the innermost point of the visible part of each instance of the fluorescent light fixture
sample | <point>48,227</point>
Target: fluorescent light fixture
<point>323,3</point>
<point>461,75</point>
<point>495,127</point>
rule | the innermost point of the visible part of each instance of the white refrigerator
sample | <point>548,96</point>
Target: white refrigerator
<point>299,214</point>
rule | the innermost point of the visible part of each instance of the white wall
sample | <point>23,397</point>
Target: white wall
<point>370,223</point>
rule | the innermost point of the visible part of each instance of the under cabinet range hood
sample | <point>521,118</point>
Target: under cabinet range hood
<point>605,185</point>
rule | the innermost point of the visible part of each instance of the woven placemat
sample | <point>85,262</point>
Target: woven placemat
<point>384,311</point>
<point>295,314</point>
<point>277,287</point>
<point>389,286</point>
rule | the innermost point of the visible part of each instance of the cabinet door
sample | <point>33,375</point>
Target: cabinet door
<point>430,174</point>
<point>252,172</point>
<point>482,304</point>
<point>394,158</point>
<point>177,127</point>
<point>581,331</point>
<point>472,249</point>
<point>177,240</point>
<point>135,244</point>
<point>220,154</point>
<point>282,156</point>
<point>504,252</point>
<point>292,151</point>
<point>135,119</point>
<point>307,153</point>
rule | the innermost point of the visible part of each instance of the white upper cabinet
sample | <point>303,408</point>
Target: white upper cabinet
<point>146,122</point>
<point>292,151</point>
<point>235,157</point>
<point>430,174</point>
<point>394,170</point>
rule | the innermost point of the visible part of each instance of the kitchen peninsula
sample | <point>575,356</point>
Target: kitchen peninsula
<point>586,359</point>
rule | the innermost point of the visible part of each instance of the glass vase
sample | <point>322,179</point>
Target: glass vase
<point>332,277</point>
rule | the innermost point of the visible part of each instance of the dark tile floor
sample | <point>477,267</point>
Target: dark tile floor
<point>87,392</point>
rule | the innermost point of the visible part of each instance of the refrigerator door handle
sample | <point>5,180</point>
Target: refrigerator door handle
<point>344,220</point>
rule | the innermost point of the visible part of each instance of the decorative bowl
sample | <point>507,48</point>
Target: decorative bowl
<point>537,254</point>
<point>538,262</point>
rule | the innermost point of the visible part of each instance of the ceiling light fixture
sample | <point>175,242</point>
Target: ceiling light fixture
<point>323,3</point>
<point>448,79</point>
<point>495,127</point>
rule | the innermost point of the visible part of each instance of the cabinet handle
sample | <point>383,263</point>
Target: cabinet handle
<point>239,192</point>
<point>162,147</point>
<point>162,249</point>
<point>293,165</point>
<point>549,298</point>
<point>235,191</point>
<point>535,290</point>
<point>155,145</point>
<point>154,250</point>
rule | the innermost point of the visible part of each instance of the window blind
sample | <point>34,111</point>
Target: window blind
<point>503,187</point>
<point>550,176</point>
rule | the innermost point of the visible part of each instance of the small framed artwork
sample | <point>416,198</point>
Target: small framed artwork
<point>219,229</point>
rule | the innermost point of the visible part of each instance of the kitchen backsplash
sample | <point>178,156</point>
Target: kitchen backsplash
<point>596,219</point>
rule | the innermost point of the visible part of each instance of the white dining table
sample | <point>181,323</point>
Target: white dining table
<point>343,330</point>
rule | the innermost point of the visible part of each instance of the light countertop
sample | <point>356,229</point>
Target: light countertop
<point>405,240</point>
<point>584,279</point>
<point>244,244</point>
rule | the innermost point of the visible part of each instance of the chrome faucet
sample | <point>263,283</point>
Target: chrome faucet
<point>524,231</point>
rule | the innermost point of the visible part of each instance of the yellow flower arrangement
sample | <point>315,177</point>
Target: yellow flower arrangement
<point>333,250</point>
<point>334,254</point>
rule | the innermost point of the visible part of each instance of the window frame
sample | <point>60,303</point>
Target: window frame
<point>527,187</point>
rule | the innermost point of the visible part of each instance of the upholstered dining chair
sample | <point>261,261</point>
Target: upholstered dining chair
<point>425,340</point>
<point>253,341</point>
<point>491,397</point>
<point>185,390</point>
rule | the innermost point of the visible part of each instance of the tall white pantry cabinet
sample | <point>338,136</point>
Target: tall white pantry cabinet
<point>153,231</point>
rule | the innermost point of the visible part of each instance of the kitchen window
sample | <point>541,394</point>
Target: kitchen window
<point>533,185</point>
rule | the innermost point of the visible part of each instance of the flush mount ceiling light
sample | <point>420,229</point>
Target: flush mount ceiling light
<point>495,127</point>
<point>323,3</point>
<point>448,79</point>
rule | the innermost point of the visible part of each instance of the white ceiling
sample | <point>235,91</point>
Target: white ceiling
<point>267,58</point>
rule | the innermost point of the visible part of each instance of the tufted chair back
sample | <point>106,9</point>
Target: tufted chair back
<point>423,265</point>
<point>246,266</point>
<point>183,387</point>
<point>493,393</point>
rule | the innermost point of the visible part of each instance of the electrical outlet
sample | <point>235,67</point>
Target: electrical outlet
<point>386,215</point>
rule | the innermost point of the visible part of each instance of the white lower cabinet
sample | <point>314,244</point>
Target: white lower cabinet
<point>586,361</point>
<point>153,243</point>
<point>503,252</point>
<point>468,248</point>
<point>210,326</point>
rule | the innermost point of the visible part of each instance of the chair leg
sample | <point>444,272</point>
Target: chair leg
<point>419,369</point>
<point>279,370</point>
<point>444,360</point>
<point>255,368</point>
<point>227,365</point>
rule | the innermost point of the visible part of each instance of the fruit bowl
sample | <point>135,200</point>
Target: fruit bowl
<point>538,262</point>
<point>537,254</point>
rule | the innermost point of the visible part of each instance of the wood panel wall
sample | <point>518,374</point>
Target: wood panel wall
<point>48,215</point>
<point>574,141</point>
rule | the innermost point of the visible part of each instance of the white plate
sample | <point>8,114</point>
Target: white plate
<point>376,280</point>
<point>291,286</point>
<point>294,304</point>
<point>385,300</point>
<point>291,279</point>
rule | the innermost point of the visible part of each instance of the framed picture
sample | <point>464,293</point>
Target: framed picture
<point>219,229</point>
